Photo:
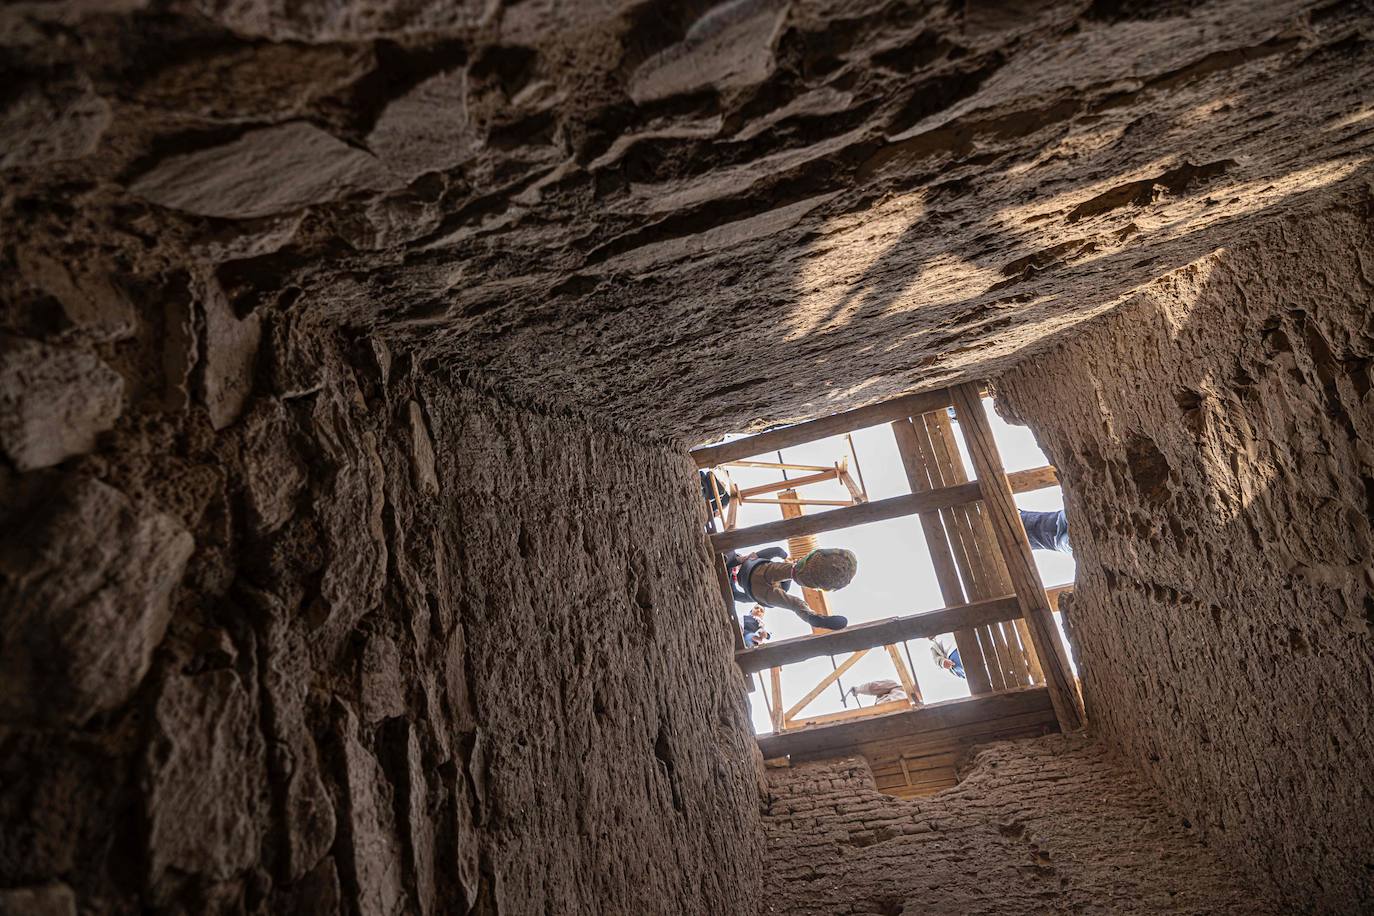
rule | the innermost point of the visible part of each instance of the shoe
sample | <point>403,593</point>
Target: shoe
<point>833,622</point>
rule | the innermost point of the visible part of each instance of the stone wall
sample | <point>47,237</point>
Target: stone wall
<point>290,625</point>
<point>1216,444</point>
<point>699,217</point>
<point>1045,825</point>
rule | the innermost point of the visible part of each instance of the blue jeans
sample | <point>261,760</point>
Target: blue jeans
<point>1047,530</point>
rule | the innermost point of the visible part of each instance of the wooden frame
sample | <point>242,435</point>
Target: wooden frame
<point>1016,551</point>
<point>836,424</point>
<point>996,605</point>
<point>836,519</point>
<point>877,633</point>
<point>844,734</point>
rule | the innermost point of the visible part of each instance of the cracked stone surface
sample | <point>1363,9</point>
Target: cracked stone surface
<point>350,560</point>
<point>364,650</point>
<point>590,204</point>
<point>1216,444</point>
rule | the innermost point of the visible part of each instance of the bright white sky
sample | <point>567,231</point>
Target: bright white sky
<point>895,573</point>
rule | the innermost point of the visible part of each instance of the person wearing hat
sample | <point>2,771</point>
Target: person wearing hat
<point>765,577</point>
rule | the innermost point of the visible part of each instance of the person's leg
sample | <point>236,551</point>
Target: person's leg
<point>768,583</point>
<point>1047,530</point>
<point>1061,536</point>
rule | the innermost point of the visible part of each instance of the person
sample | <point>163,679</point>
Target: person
<point>946,655</point>
<point>1047,530</point>
<point>734,562</point>
<point>754,633</point>
<point>883,691</point>
<point>717,497</point>
<point>764,578</point>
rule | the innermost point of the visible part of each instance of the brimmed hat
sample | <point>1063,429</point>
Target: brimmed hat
<point>827,568</point>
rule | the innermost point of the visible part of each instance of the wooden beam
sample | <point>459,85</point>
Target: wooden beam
<point>1055,592</point>
<point>836,424</point>
<point>918,479</point>
<point>723,579</point>
<point>775,486</point>
<point>878,633</point>
<point>825,682</point>
<point>941,459</point>
<point>920,720</point>
<point>776,710</point>
<point>1033,479</point>
<point>848,517</point>
<point>1011,537</point>
<point>728,598</point>
<point>913,690</point>
<point>856,712</point>
<point>754,501</point>
<point>776,465</point>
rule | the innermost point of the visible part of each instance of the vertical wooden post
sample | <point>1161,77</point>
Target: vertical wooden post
<point>777,710</point>
<point>923,473</point>
<point>908,678</point>
<point>1011,537</point>
<point>968,555</point>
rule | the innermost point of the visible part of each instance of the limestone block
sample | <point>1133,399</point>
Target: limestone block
<point>350,511</point>
<point>421,823</point>
<point>273,475</point>
<point>266,171</point>
<point>317,894</point>
<point>293,757</point>
<point>231,353</point>
<point>206,799</point>
<point>54,401</point>
<point>85,581</point>
<point>375,846</point>
<point>426,129</point>
<point>379,680</point>
<point>422,451</point>
<point>92,300</point>
<point>730,47</point>
<point>51,120</point>
<point>43,900</point>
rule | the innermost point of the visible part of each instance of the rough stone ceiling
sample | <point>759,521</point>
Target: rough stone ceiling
<point>687,217</point>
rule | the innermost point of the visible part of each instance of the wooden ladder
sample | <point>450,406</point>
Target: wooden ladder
<point>995,601</point>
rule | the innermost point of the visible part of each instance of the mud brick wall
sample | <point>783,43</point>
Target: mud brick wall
<point>381,644</point>
<point>1216,444</point>
<point>1044,825</point>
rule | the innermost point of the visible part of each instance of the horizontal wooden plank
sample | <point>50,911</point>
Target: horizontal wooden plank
<point>1033,479</point>
<point>822,428</point>
<point>842,736</point>
<point>878,633</point>
<point>974,733</point>
<point>793,484</point>
<point>876,511</point>
<point>1055,592</point>
<point>853,712</point>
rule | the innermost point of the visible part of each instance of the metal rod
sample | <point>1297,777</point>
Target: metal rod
<point>858,468</point>
<point>838,683</point>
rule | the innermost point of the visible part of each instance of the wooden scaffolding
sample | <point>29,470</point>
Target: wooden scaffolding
<point>996,606</point>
